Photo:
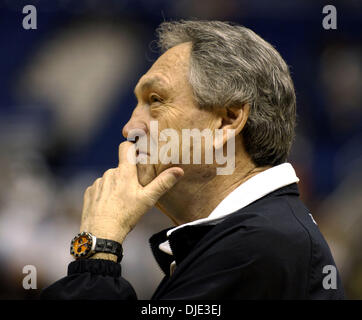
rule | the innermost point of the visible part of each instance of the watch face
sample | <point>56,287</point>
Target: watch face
<point>81,245</point>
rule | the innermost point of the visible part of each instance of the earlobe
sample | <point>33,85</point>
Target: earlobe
<point>233,121</point>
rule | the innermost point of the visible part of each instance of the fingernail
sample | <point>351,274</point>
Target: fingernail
<point>178,173</point>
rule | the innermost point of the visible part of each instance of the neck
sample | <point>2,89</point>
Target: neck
<point>195,197</point>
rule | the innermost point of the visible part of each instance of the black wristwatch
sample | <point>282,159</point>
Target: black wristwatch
<point>85,244</point>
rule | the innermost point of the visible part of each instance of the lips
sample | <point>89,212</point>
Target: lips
<point>139,152</point>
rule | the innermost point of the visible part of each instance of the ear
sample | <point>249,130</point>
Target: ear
<point>233,119</point>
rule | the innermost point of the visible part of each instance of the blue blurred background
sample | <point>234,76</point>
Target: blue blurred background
<point>66,92</point>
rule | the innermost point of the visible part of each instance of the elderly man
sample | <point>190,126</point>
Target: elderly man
<point>244,234</point>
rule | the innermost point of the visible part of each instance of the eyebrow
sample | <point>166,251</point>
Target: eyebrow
<point>149,83</point>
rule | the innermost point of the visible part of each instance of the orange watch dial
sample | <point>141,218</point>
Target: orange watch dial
<point>81,245</point>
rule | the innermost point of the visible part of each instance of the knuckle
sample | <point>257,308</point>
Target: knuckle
<point>95,185</point>
<point>148,199</point>
<point>162,184</point>
<point>86,193</point>
<point>108,173</point>
<point>165,184</point>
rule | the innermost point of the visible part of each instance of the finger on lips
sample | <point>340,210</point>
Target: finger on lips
<point>124,151</point>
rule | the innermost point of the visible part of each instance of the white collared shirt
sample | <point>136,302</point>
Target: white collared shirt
<point>251,190</point>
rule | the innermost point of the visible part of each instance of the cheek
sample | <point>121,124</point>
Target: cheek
<point>177,118</point>
<point>173,119</point>
<point>206,120</point>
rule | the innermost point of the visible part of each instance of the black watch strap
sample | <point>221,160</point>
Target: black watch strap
<point>109,246</point>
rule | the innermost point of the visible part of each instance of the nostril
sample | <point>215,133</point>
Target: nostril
<point>134,134</point>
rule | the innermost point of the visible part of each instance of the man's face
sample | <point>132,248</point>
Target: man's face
<point>165,95</point>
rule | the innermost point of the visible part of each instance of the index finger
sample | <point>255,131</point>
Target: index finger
<point>127,154</point>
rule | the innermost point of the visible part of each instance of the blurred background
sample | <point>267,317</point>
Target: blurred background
<point>66,92</point>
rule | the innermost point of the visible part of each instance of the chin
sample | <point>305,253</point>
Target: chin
<point>146,173</point>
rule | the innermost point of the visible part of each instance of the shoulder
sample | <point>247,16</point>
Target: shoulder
<point>266,236</point>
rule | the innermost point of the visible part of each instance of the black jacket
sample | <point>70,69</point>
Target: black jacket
<point>270,249</point>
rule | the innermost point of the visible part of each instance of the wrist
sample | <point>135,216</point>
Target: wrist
<point>87,245</point>
<point>104,256</point>
<point>106,233</point>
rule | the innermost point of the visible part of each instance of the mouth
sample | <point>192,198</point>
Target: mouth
<point>142,153</point>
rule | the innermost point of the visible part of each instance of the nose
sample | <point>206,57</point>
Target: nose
<point>134,128</point>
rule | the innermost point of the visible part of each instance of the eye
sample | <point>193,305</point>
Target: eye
<point>154,98</point>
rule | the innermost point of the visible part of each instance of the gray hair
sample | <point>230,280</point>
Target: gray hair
<point>230,65</point>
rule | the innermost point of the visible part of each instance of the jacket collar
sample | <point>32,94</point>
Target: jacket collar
<point>174,244</point>
<point>181,241</point>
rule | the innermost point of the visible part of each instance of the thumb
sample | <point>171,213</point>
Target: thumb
<point>163,183</point>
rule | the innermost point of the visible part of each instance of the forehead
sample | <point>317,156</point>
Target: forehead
<point>170,69</point>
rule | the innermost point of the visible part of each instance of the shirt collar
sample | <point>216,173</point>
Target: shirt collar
<point>251,190</point>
